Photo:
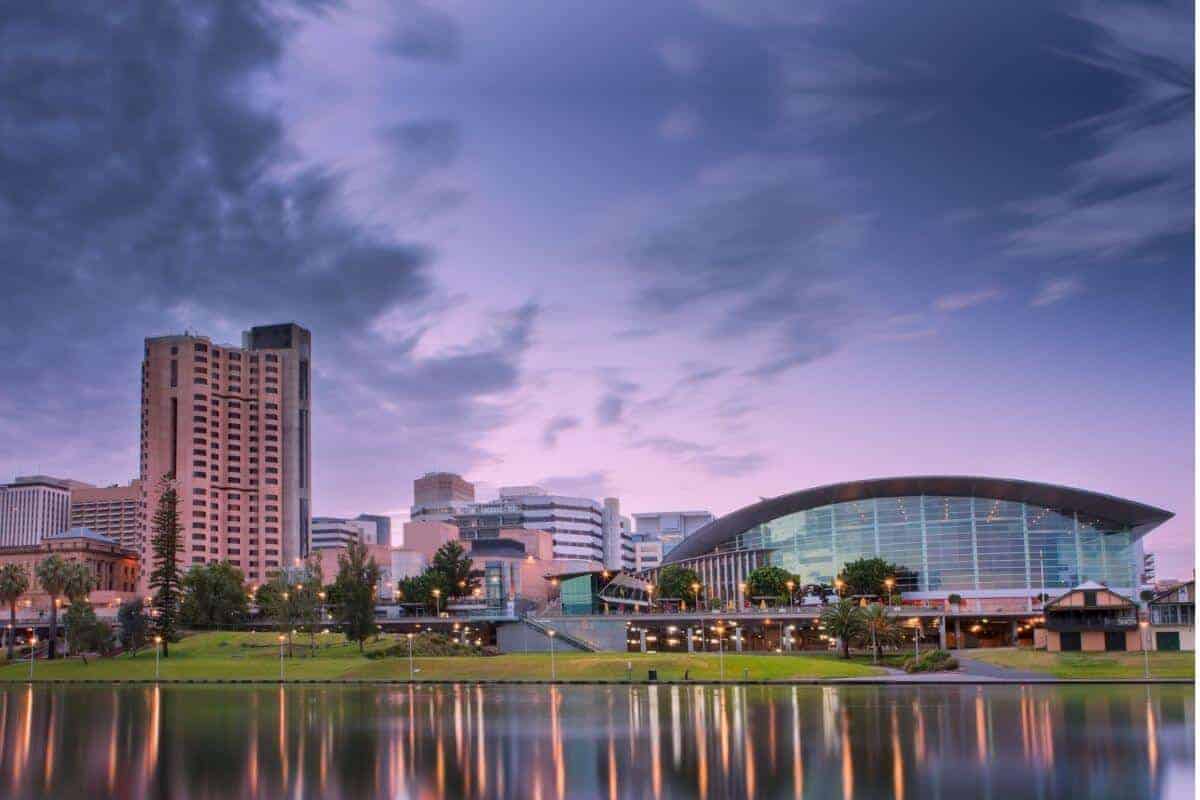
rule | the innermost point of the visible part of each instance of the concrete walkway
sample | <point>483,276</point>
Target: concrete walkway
<point>981,669</point>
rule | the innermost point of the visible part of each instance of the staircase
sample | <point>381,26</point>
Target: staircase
<point>565,638</point>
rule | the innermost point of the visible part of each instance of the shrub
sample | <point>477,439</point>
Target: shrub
<point>428,644</point>
<point>932,661</point>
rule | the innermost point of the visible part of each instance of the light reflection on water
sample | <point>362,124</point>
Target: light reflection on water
<point>596,741</point>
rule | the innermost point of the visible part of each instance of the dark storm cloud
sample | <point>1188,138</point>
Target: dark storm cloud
<point>142,189</point>
<point>427,34</point>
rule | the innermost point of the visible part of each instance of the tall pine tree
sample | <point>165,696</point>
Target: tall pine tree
<point>166,579</point>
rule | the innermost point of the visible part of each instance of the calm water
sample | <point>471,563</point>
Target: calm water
<point>643,742</point>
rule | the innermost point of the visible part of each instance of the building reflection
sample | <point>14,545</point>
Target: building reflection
<point>617,742</point>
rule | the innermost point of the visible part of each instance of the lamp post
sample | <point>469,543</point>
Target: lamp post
<point>157,651</point>
<point>32,650</point>
<point>1144,625</point>
<point>791,586</point>
<point>839,584</point>
<point>437,602</point>
<point>889,583</point>
<point>721,649</point>
<point>553,673</point>
<point>281,639</point>
<point>696,595</point>
<point>411,671</point>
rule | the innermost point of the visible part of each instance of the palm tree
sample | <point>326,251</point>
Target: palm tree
<point>14,582</point>
<point>879,628</point>
<point>80,581</point>
<point>843,620</point>
<point>54,575</point>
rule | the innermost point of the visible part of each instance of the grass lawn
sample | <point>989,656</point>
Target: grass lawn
<point>256,656</point>
<point>1090,665</point>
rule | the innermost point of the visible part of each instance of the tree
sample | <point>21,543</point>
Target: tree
<point>80,581</point>
<point>357,577</point>
<point>279,602</point>
<point>134,624</point>
<point>676,582</point>
<point>879,628</point>
<point>770,581</point>
<point>85,632</point>
<point>450,570</point>
<point>213,595</point>
<point>954,600</point>
<point>415,589</point>
<point>165,544</point>
<point>14,582</point>
<point>54,575</point>
<point>867,576</point>
<point>310,600</point>
<point>1147,595</point>
<point>844,621</point>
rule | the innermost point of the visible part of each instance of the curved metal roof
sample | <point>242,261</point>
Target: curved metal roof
<point>1141,517</point>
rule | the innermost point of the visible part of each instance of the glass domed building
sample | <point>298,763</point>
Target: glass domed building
<point>974,537</point>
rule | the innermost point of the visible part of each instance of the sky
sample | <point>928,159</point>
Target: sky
<point>688,253</point>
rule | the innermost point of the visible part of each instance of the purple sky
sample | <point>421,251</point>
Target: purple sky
<point>689,252</point>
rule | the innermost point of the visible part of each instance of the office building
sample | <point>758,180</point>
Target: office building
<point>377,529</point>
<point>438,496</point>
<point>618,547</point>
<point>116,569</point>
<point>669,527</point>
<point>576,522</point>
<point>647,552</point>
<point>233,425</point>
<point>112,511</point>
<point>33,507</point>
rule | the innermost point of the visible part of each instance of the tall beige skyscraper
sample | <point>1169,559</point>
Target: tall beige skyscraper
<point>233,425</point>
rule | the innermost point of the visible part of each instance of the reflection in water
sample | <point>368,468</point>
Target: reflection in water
<point>628,741</point>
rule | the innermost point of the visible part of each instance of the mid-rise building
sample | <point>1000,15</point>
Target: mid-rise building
<point>438,496</point>
<point>576,522</point>
<point>233,426</point>
<point>377,529</point>
<point>112,511</point>
<point>669,527</point>
<point>116,569</point>
<point>647,552</point>
<point>33,507</point>
<point>618,547</point>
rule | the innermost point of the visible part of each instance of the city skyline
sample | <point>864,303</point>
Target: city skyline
<point>764,251</point>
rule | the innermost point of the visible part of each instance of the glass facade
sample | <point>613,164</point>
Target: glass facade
<point>951,544</point>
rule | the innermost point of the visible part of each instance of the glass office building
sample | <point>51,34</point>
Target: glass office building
<point>976,537</point>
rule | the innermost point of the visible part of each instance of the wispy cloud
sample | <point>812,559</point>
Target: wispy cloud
<point>960,301</point>
<point>1056,290</point>
<point>556,426</point>
<point>681,57</point>
<point>679,125</point>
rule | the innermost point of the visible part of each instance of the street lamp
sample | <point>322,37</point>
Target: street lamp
<point>720,630</point>
<point>889,583</point>
<point>281,640</point>
<point>1144,625</point>
<point>157,650</point>
<point>553,673</point>
<point>437,602</point>
<point>32,650</point>
<point>696,595</point>
<point>839,584</point>
<point>791,585</point>
<point>410,657</point>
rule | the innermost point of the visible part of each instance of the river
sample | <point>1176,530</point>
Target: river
<point>916,742</point>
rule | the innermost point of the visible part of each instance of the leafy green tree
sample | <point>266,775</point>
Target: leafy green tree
<point>80,581</point>
<point>676,582</point>
<point>14,582</point>
<point>213,595</point>
<point>450,570</point>
<point>85,633</point>
<point>880,628</point>
<point>310,600</point>
<point>415,589</point>
<point>867,576</point>
<point>54,575</point>
<point>844,621</point>
<point>770,581</point>
<point>280,602</point>
<point>357,577</point>
<point>134,624</point>
<point>165,545</point>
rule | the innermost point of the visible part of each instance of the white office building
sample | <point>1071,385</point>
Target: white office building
<point>33,507</point>
<point>669,527</point>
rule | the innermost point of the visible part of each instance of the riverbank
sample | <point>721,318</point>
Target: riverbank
<point>1090,665</point>
<point>255,657</point>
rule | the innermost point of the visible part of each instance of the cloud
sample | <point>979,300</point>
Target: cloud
<point>960,301</point>
<point>609,409</point>
<point>142,180</point>
<point>760,251</point>
<point>593,485</point>
<point>680,125</point>
<point>429,143</point>
<point>556,426</point>
<point>1055,290</point>
<point>1135,190</point>
<point>708,458</point>
<point>682,58</point>
<point>699,374</point>
<point>426,34</point>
